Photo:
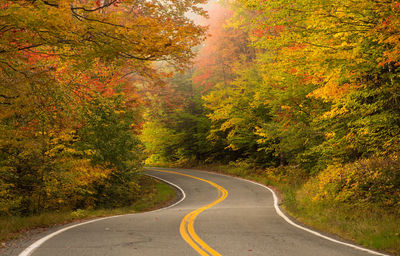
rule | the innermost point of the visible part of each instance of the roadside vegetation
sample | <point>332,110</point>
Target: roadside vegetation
<point>303,96</point>
<point>360,220</point>
<point>70,108</point>
<point>154,194</point>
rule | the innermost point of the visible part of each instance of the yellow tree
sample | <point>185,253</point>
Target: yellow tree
<point>344,53</point>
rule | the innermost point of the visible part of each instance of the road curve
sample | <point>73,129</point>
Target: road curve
<point>220,215</point>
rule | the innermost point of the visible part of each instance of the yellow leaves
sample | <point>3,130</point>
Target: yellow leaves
<point>89,152</point>
<point>85,174</point>
<point>368,181</point>
<point>119,112</point>
<point>332,90</point>
<point>231,123</point>
<point>329,135</point>
<point>335,112</point>
<point>55,150</point>
<point>232,147</point>
<point>74,180</point>
<point>260,132</point>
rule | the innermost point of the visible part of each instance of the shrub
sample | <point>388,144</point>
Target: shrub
<point>364,183</point>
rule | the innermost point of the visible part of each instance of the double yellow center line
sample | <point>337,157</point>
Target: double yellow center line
<point>187,224</point>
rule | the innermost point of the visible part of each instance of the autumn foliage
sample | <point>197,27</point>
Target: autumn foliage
<point>305,89</point>
<point>311,86</point>
<point>70,112</point>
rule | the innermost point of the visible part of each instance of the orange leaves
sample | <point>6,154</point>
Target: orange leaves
<point>296,47</point>
<point>388,33</point>
<point>258,32</point>
<point>225,47</point>
<point>86,30</point>
<point>331,91</point>
<point>268,31</point>
<point>75,66</point>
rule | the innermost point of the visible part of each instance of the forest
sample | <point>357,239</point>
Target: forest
<point>312,86</point>
<point>303,95</point>
<point>70,109</point>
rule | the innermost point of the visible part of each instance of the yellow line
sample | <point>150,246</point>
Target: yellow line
<point>192,238</point>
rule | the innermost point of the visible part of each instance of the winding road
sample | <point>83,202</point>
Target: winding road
<point>217,215</point>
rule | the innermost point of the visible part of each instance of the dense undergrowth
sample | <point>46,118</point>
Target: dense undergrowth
<point>154,194</point>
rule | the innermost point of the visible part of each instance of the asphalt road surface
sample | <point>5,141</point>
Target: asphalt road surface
<point>218,215</point>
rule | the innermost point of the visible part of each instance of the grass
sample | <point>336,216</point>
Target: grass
<point>372,227</point>
<point>157,194</point>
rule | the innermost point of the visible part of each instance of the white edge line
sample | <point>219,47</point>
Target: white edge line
<point>286,218</point>
<point>174,185</point>
<point>39,242</point>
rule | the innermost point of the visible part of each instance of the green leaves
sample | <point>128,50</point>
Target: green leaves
<point>70,114</point>
<point>313,82</point>
<point>176,131</point>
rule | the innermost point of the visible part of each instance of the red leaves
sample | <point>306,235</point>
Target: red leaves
<point>116,4</point>
<point>258,32</point>
<point>268,31</point>
<point>386,21</point>
<point>296,47</point>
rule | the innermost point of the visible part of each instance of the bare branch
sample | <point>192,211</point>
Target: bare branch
<point>95,9</point>
<point>23,48</point>
<point>77,15</point>
<point>8,97</point>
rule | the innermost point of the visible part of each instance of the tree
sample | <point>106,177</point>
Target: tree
<point>69,115</point>
<point>336,53</point>
<point>176,126</point>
